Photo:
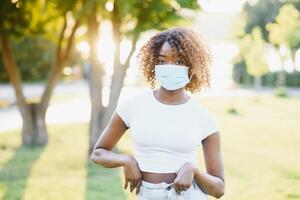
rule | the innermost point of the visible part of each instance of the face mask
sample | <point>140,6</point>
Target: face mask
<point>172,76</point>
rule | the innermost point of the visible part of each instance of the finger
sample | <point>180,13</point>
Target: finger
<point>138,187</point>
<point>180,188</point>
<point>126,184</point>
<point>132,185</point>
<point>177,189</point>
<point>135,182</point>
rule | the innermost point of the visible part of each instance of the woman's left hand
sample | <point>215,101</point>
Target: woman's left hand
<point>185,176</point>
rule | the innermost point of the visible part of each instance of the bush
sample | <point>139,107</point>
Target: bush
<point>241,76</point>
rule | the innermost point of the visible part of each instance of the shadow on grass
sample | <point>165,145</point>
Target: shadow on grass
<point>103,183</point>
<point>14,174</point>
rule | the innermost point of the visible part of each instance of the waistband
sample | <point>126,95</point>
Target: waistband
<point>161,185</point>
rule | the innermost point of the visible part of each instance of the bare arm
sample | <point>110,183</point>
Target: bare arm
<point>212,181</point>
<point>102,153</point>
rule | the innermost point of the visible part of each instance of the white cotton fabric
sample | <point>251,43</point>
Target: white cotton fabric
<point>165,136</point>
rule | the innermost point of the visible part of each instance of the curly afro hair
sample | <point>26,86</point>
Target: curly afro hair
<point>188,45</point>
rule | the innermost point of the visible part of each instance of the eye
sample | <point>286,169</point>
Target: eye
<point>161,61</point>
<point>179,62</point>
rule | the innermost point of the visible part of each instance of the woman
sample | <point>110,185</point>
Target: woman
<point>167,124</point>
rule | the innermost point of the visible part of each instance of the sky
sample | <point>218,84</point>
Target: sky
<point>227,6</point>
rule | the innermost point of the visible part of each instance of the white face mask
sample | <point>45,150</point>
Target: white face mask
<point>172,76</point>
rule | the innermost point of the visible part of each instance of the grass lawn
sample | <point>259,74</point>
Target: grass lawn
<point>260,148</point>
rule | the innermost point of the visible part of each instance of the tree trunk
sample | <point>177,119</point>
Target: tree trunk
<point>34,127</point>
<point>96,73</point>
<point>34,130</point>
<point>281,78</point>
<point>101,115</point>
<point>293,58</point>
<point>280,82</point>
<point>119,70</point>
<point>257,83</point>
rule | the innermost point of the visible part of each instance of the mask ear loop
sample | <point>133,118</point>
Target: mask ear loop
<point>191,77</point>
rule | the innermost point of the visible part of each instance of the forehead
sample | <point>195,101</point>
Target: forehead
<point>166,50</point>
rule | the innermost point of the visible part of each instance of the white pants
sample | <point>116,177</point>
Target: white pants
<point>164,191</point>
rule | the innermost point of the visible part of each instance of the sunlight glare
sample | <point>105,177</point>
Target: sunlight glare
<point>109,6</point>
<point>228,6</point>
<point>84,49</point>
<point>125,46</point>
<point>106,47</point>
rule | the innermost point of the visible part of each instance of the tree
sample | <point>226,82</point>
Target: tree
<point>19,19</point>
<point>96,69</point>
<point>128,21</point>
<point>286,29</point>
<point>253,51</point>
<point>259,14</point>
<point>33,56</point>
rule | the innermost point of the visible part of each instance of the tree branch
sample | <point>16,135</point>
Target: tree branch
<point>61,37</point>
<point>13,72</point>
<point>56,71</point>
<point>126,64</point>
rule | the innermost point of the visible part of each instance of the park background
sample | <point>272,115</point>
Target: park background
<point>64,66</point>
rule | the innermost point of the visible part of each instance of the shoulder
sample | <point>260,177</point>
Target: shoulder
<point>202,109</point>
<point>127,105</point>
<point>207,121</point>
<point>134,98</point>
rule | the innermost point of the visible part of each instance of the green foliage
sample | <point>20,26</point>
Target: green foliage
<point>259,14</point>
<point>233,111</point>
<point>286,29</point>
<point>296,3</point>
<point>241,76</point>
<point>279,24</point>
<point>35,17</point>
<point>34,56</point>
<point>34,28</point>
<point>253,51</point>
<point>255,57</point>
<point>15,17</point>
<point>281,92</point>
<point>139,16</point>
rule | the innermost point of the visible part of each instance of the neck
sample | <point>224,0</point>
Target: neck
<point>172,95</point>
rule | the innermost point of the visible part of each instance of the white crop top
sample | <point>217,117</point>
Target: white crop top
<point>165,136</point>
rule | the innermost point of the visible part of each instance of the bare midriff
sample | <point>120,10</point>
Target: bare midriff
<point>158,177</point>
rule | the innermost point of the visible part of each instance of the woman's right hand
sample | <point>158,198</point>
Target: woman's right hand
<point>133,175</point>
